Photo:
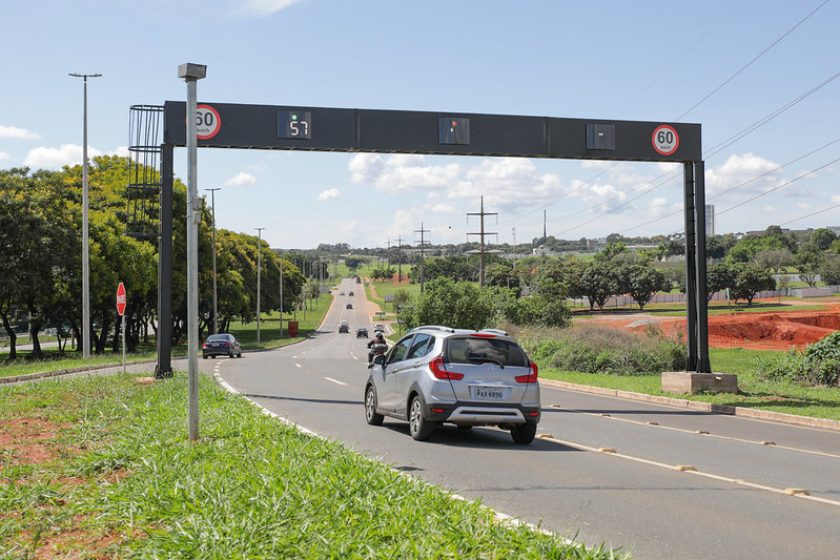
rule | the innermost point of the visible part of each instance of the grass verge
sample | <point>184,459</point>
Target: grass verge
<point>246,333</point>
<point>100,467</point>
<point>777,396</point>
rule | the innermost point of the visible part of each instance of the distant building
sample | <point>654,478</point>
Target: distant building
<point>710,220</point>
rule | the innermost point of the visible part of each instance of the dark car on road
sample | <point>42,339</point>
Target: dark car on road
<point>361,332</point>
<point>350,293</point>
<point>343,327</point>
<point>223,344</point>
<point>349,306</point>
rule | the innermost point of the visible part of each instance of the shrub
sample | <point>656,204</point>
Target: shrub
<point>817,364</point>
<point>594,349</point>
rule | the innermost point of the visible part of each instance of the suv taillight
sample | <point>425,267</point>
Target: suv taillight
<point>529,378</point>
<point>439,370</point>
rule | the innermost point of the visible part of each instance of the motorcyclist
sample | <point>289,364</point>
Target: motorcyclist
<point>377,345</point>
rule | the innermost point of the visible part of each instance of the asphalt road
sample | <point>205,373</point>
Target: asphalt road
<point>734,505</point>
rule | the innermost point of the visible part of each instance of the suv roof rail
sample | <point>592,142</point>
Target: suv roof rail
<point>433,328</point>
<point>495,331</point>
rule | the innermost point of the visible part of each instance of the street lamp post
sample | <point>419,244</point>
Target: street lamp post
<point>259,273</point>
<point>191,73</point>
<point>215,309</point>
<point>85,242</point>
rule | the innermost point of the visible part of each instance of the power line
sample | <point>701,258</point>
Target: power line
<point>483,234</point>
<point>753,60</point>
<point>811,214</point>
<point>423,245</point>
<point>741,185</point>
<point>774,189</point>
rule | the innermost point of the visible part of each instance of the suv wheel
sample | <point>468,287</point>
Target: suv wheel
<point>373,418</point>
<point>524,433</point>
<point>418,426</point>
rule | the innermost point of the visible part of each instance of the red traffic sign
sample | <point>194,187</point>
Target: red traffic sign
<point>121,299</point>
<point>208,122</point>
<point>665,140</point>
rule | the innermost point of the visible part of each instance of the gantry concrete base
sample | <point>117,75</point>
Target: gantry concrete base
<point>692,382</point>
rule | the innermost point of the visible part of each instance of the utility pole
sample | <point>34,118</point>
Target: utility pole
<point>482,235</point>
<point>85,227</point>
<point>259,274</point>
<point>388,252</point>
<point>281,298</point>
<point>423,245</point>
<point>191,73</point>
<point>399,259</point>
<point>215,304</point>
<point>513,231</point>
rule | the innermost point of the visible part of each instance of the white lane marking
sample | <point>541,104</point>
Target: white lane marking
<point>298,365</point>
<point>707,434</point>
<point>355,357</point>
<point>676,468</point>
<point>335,381</point>
<point>501,518</point>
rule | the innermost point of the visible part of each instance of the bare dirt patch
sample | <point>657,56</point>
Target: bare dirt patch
<point>29,441</point>
<point>768,331</point>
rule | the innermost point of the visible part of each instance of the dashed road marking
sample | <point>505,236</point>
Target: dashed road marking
<point>335,381</point>
<point>298,365</point>
<point>691,470</point>
<point>705,433</point>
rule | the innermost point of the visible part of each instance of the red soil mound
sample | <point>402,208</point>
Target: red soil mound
<point>770,331</point>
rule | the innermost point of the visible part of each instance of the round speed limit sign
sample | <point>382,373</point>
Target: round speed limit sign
<point>207,121</point>
<point>665,140</point>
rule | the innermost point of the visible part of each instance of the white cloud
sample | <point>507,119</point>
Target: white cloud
<point>400,173</point>
<point>16,133</point>
<point>835,198</point>
<point>803,205</point>
<point>329,194</point>
<point>241,180</point>
<point>3,155</point>
<point>658,207</point>
<point>738,169</point>
<point>121,151</point>
<point>349,227</point>
<point>440,208</point>
<point>264,7</point>
<point>54,158</point>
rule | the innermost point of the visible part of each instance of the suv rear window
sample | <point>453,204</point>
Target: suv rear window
<point>471,350</point>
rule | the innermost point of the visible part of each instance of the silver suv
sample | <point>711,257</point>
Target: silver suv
<point>463,377</point>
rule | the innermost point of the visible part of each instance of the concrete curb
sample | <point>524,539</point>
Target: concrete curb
<point>779,417</point>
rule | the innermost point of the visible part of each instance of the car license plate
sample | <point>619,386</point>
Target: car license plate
<point>486,393</point>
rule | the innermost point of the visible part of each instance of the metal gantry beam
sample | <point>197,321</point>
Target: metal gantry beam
<point>284,127</point>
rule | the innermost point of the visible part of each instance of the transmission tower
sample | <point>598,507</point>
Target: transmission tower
<point>423,245</point>
<point>482,235</point>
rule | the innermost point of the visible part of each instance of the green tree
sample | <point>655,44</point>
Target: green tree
<point>830,270</point>
<point>719,277</point>
<point>809,261</point>
<point>642,282</point>
<point>822,238</point>
<point>453,303</point>
<point>749,280</point>
<point>597,282</point>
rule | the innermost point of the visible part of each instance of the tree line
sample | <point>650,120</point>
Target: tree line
<point>40,261</point>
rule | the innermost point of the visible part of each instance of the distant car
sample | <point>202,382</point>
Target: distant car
<point>220,345</point>
<point>361,332</point>
<point>378,327</point>
<point>349,306</point>
<point>468,378</point>
<point>343,327</point>
<point>350,294</point>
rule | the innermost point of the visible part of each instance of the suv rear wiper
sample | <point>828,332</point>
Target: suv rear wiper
<point>485,358</point>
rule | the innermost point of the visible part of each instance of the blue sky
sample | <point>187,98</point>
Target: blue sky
<point>609,60</point>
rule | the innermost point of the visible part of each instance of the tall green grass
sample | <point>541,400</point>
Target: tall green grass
<point>123,481</point>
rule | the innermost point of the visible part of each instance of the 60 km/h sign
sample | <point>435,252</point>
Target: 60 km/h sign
<point>665,140</point>
<point>121,299</point>
<point>207,121</point>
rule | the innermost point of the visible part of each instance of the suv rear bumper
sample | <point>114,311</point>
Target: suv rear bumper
<point>477,413</point>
